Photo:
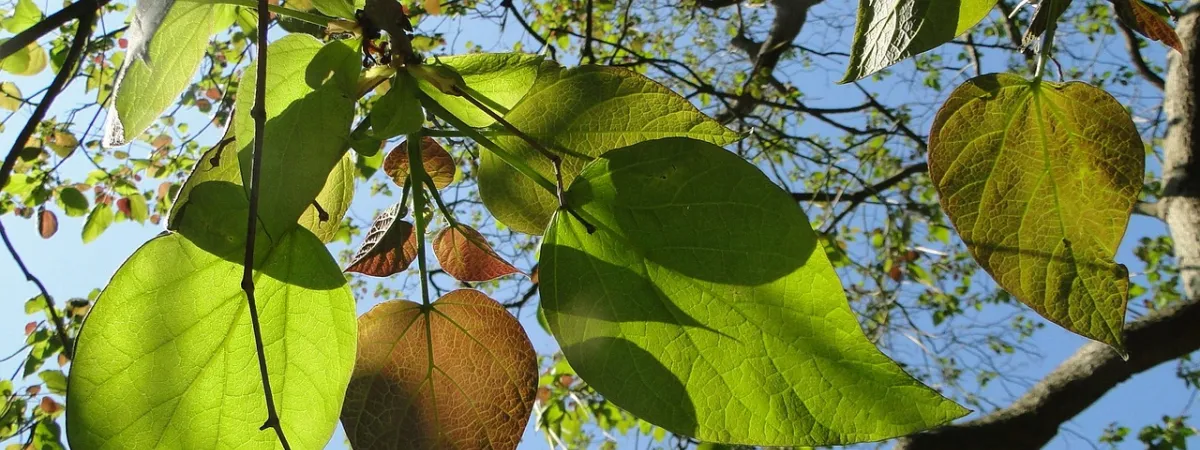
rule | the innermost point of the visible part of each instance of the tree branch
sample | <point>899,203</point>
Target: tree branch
<point>52,311</point>
<point>1077,383</point>
<point>1133,44</point>
<point>259,114</point>
<point>867,192</point>
<point>32,34</point>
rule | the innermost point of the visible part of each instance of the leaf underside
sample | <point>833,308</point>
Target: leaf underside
<point>1039,179</point>
<point>888,31</point>
<point>704,304</point>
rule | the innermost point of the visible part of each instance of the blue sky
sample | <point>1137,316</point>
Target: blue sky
<point>70,269</point>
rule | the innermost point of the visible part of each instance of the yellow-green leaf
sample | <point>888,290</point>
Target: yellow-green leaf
<point>889,31</point>
<point>1040,178</point>
<point>10,96</point>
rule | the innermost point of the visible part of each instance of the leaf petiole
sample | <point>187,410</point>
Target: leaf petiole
<point>416,178</point>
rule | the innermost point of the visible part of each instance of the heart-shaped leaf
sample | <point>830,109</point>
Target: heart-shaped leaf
<point>499,80</point>
<point>459,374</point>
<point>704,304</point>
<point>390,246</point>
<point>466,255</point>
<point>438,163</point>
<point>1039,179</point>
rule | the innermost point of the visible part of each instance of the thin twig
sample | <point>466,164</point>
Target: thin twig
<point>259,114</point>
<point>587,40</point>
<point>32,34</point>
<point>53,311</point>
<point>56,86</point>
<point>508,4</point>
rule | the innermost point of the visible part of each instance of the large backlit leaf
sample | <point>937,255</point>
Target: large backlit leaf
<point>889,31</point>
<point>397,112</point>
<point>460,375</point>
<point>466,255</point>
<point>308,124</point>
<point>338,8</point>
<point>582,114</point>
<point>389,248</point>
<point>704,304</point>
<point>500,79</point>
<point>218,163</point>
<point>166,358</point>
<point>167,40</point>
<point>1039,179</point>
<point>438,163</point>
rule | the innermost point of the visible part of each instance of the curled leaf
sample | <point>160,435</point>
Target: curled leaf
<point>467,256</point>
<point>389,248</point>
<point>460,374</point>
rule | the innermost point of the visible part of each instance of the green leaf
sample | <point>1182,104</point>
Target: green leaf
<point>334,199</point>
<point>156,71</point>
<point>186,375</point>
<point>98,221</point>
<point>398,112</point>
<point>28,61</point>
<point>10,96</point>
<point>73,202</point>
<point>460,374</point>
<point>218,163</point>
<point>583,113</point>
<point>55,381</point>
<point>25,15</point>
<point>338,8</point>
<point>138,210</point>
<point>889,31</point>
<point>704,304</point>
<point>307,130</point>
<point>1040,180</point>
<point>500,78</point>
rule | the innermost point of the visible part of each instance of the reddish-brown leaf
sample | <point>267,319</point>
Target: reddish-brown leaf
<point>48,405</point>
<point>894,272</point>
<point>161,141</point>
<point>477,394</point>
<point>30,328</point>
<point>466,255</point>
<point>213,93</point>
<point>33,390</point>
<point>438,163</point>
<point>164,189</point>
<point>123,205</point>
<point>63,360</point>
<point>1144,20</point>
<point>47,223</point>
<point>389,248</point>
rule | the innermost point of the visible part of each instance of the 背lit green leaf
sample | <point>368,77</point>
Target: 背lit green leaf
<point>97,221</point>
<point>307,129</point>
<point>889,31</point>
<point>1039,179</point>
<point>581,114</point>
<point>158,69</point>
<point>334,199</point>
<point>398,112</point>
<point>704,304</point>
<point>55,381</point>
<point>10,96</point>
<point>218,163</point>
<point>25,15</point>
<point>27,61</point>
<point>166,358</point>
<point>73,202</point>
<point>338,8</point>
<point>498,80</point>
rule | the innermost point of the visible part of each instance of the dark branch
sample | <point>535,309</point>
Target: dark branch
<point>1133,44</point>
<point>587,54</point>
<point>508,4</point>
<point>59,328</point>
<point>1077,383</point>
<point>865,193</point>
<point>32,34</point>
<point>259,113</point>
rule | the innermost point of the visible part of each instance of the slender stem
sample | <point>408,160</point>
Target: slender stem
<point>1047,44</point>
<point>74,54</point>
<point>259,113</point>
<point>32,34</point>
<point>59,328</point>
<point>469,132</point>
<point>416,178</point>
<point>315,19</point>
<point>457,133</point>
<point>437,199</point>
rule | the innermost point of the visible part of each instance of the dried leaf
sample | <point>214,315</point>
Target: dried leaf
<point>433,7</point>
<point>47,223</point>
<point>439,165</point>
<point>389,248</point>
<point>466,255</point>
<point>1147,22</point>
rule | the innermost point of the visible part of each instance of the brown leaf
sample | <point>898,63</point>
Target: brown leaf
<point>48,405</point>
<point>1138,16</point>
<point>30,328</point>
<point>33,390</point>
<point>894,273</point>
<point>389,248</point>
<point>213,93</point>
<point>477,394</point>
<point>123,205</point>
<point>161,141</point>
<point>47,223</point>
<point>438,163</point>
<point>433,7</point>
<point>466,255</point>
